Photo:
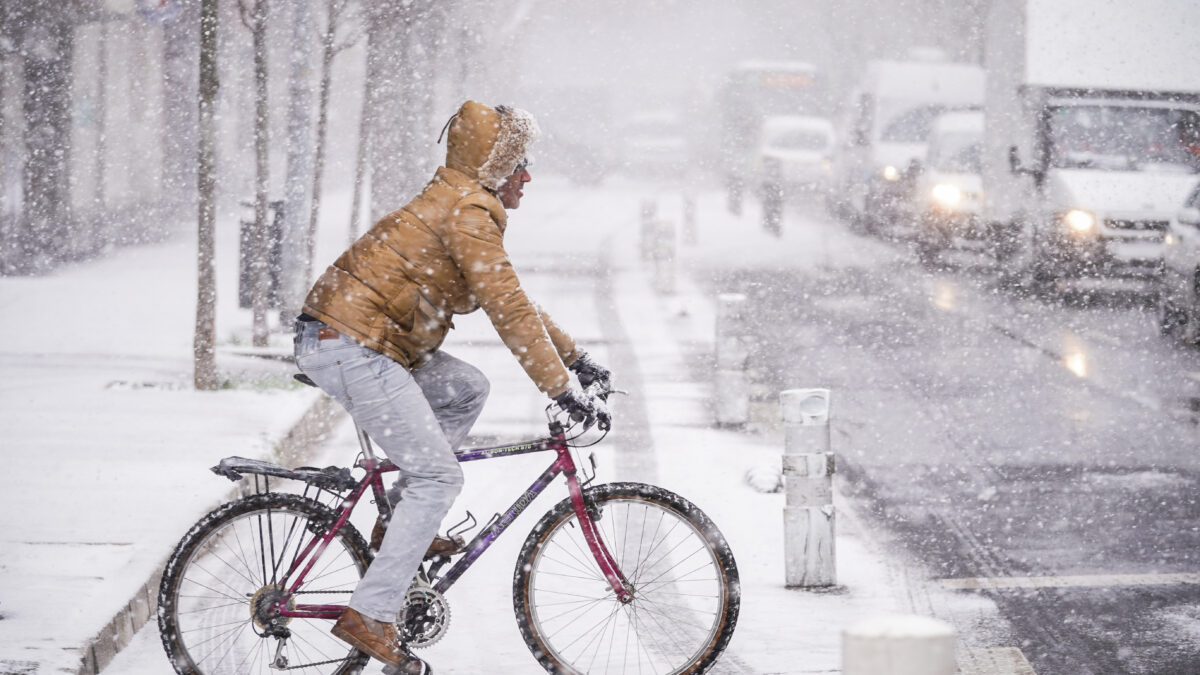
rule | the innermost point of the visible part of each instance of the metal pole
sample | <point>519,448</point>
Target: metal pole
<point>808,467</point>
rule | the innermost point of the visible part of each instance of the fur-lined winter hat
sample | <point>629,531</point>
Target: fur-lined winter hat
<point>488,143</point>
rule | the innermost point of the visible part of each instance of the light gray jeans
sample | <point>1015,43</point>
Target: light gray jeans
<point>418,419</point>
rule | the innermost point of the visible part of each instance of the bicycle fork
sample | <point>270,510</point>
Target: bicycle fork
<point>608,565</point>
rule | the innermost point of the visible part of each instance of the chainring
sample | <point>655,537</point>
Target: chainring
<point>425,617</point>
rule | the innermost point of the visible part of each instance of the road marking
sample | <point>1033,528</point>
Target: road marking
<point>994,661</point>
<point>1081,581</point>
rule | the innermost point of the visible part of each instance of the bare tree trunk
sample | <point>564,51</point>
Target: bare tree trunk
<point>47,46</point>
<point>100,168</point>
<point>402,96</point>
<point>296,255</point>
<point>260,264</point>
<point>329,49</point>
<point>7,227</point>
<point>362,157</point>
<point>180,40</point>
<point>204,345</point>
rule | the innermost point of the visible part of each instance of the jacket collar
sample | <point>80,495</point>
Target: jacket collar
<point>465,185</point>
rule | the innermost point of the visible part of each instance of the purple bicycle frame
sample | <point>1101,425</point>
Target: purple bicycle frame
<point>563,464</point>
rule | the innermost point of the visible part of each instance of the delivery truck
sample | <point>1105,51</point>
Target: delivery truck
<point>885,135</point>
<point>1092,136</point>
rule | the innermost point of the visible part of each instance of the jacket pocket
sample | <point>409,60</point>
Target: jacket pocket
<point>402,308</point>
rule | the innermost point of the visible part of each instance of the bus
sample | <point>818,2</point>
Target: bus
<point>751,92</point>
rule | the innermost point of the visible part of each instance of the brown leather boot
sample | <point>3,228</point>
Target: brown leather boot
<point>377,639</point>
<point>439,546</point>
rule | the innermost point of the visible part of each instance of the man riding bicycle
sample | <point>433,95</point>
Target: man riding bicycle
<point>370,336</point>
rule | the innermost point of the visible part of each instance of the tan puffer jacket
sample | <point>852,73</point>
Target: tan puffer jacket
<point>396,289</point>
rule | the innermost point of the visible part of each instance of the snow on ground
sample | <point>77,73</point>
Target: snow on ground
<point>132,474</point>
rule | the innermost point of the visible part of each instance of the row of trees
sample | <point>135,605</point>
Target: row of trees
<point>407,44</point>
<point>121,120</point>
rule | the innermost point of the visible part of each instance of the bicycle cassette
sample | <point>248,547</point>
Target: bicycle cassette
<point>425,617</point>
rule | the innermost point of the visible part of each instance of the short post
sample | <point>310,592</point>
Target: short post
<point>772,202</point>
<point>690,235</point>
<point>663,237</point>
<point>808,467</point>
<point>733,354</point>
<point>649,209</point>
<point>899,645</point>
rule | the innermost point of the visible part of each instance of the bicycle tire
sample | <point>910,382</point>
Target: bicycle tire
<point>680,619</point>
<point>218,574</point>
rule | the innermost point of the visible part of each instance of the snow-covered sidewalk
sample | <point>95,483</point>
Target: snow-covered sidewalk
<point>108,446</point>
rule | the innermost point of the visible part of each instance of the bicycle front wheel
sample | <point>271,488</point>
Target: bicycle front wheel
<point>221,585</point>
<point>683,575</point>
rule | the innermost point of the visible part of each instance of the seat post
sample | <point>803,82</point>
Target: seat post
<point>364,442</point>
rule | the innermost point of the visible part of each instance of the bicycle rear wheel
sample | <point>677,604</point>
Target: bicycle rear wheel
<point>214,604</point>
<point>684,578</point>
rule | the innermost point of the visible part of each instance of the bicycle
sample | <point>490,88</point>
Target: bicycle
<point>617,577</point>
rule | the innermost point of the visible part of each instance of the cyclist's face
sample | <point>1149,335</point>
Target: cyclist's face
<point>511,190</point>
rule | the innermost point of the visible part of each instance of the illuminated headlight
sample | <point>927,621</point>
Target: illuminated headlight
<point>891,173</point>
<point>945,195</point>
<point>1079,222</point>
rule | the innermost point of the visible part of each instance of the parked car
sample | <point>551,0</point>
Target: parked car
<point>793,154</point>
<point>948,188</point>
<point>1179,294</point>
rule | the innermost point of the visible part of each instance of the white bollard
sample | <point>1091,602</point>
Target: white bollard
<point>733,353</point>
<point>663,237</point>
<point>808,467</point>
<point>899,645</point>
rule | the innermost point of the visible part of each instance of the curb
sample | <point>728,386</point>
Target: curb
<point>98,652</point>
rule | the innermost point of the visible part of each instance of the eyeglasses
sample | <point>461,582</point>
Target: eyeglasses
<point>522,165</point>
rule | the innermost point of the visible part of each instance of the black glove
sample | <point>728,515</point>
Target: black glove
<point>582,408</point>
<point>589,371</point>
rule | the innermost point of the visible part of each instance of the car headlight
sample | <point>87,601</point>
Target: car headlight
<point>891,173</point>
<point>1079,222</point>
<point>946,195</point>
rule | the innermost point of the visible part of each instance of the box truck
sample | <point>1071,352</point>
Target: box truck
<point>1092,138</point>
<point>886,129</point>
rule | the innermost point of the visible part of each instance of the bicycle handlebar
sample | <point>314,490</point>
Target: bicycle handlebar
<point>598,392</point>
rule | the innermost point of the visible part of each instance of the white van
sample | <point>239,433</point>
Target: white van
<point>795,153</point>
<point>887,128</point>
<point>948,197</point>
<point>1093,136</point>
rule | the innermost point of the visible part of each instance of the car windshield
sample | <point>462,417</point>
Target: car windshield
<point>1124,138</point>
<point>913,125</point>
<point>798,139</point>
<point>957,153</point>
<point>967,160</point>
